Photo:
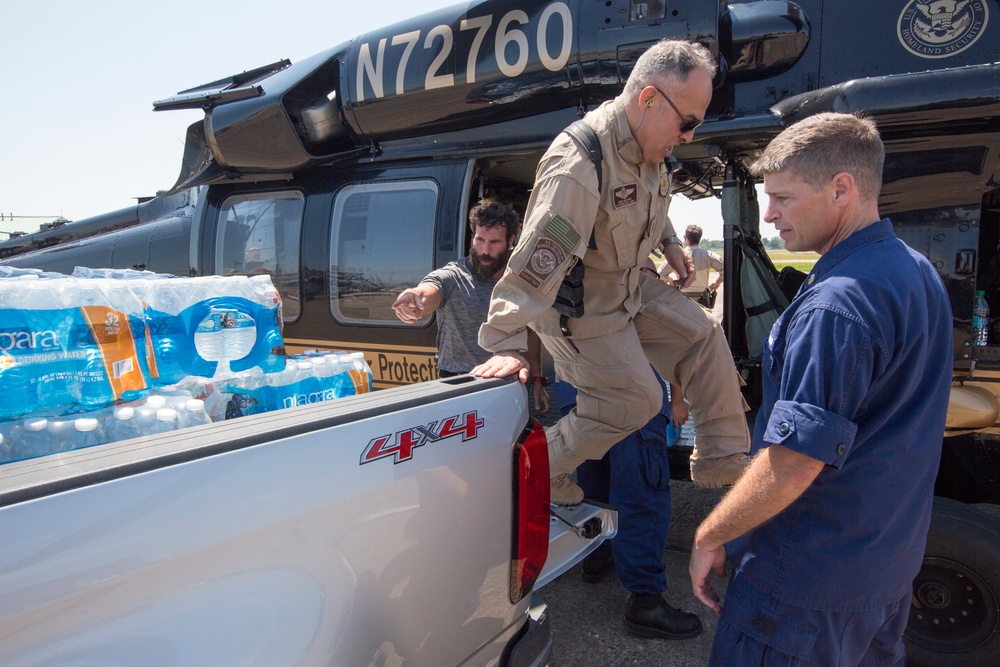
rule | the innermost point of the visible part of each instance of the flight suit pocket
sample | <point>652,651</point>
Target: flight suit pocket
<point>587,375</point>
<point>626,245</point>
<point>673,313</point>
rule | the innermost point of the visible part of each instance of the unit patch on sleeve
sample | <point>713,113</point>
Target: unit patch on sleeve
<point>625,195</point>
<point>556,242</point>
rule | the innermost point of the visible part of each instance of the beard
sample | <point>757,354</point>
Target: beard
<point>488,268</point>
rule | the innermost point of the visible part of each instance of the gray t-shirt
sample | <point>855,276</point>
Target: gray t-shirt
<point>465,302</point>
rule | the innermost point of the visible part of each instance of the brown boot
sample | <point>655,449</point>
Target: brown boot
<point>563,491</point>
<point>720,472</point>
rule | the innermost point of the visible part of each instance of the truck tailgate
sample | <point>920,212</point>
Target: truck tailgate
<point>574,532</point>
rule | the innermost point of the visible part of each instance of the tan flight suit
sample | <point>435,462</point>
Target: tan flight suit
<point>704,261</point>
<point>630,319</point>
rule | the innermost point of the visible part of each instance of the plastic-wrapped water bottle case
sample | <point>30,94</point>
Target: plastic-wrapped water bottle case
<point>107,355</point>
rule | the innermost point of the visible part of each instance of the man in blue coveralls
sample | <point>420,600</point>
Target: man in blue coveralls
<point>826,529</point>
<point>634,477</point>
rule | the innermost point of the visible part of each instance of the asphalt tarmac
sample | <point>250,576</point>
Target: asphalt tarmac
<point>587,618</point>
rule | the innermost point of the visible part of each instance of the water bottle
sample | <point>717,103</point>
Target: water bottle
<point>363,380</point>
<point>283,386</point>
<point>164,300</point>
<point>92,388</point>
<point>61,433</point>
<point>33,440</point>
<point>166,421</point>
<point>980,320</point>
<point>145,413</point>
<point>307,388</point>
<point>209,340</point>
<point>193,413</point>
<point>20,392</point>
<point>239,334</point>
<point>210,393</point>
<point>174,396</point>
<point>323,372</point>
<point>121,424</point>
<point>249,392</point>
<point>88,433</point>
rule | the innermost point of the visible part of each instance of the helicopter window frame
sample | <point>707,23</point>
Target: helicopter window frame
<point>270,243</point>
<point>382,241</point>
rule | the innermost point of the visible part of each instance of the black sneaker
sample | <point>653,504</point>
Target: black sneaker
<point>596,566</point>
<point>649,615</point>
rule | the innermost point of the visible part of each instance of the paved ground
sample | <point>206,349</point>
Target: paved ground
<point>586,618</point>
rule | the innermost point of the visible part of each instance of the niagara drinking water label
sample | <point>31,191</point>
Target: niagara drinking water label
<point>112,332</point>
<point>59,357</point>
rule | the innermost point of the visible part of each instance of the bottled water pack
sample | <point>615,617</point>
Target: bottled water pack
<point>305,380</point>
<point>68,341</point>
<point>109,355</point>
<point>211,325</point>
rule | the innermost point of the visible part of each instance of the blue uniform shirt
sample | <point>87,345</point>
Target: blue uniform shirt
<point>857,374</point>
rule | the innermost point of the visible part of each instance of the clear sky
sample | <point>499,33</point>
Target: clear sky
<point>78,135</point>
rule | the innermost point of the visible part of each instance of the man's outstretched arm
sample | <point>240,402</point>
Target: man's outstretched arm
<point>414,303</point>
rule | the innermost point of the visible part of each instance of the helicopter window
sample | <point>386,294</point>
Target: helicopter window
<point>259,234</point>
<point>382,242</point>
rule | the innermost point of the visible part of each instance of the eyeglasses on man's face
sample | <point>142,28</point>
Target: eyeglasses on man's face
<point>687,124</point>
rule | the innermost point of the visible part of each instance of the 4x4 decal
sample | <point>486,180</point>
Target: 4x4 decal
<point>401,445</point>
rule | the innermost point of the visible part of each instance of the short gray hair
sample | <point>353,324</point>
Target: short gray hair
<point>819,147</point>
<point>668,58</point>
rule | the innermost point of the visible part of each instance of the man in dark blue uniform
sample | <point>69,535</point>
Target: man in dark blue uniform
<point>634,478</point>
<point>826,529</point>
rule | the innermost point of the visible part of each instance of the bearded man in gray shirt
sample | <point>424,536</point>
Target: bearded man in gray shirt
<point>460,293</point>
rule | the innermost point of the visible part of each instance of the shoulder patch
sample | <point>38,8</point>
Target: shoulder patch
<point>556,241</point>
<point>625,195</point>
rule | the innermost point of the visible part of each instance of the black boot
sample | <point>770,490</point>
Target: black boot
<point>596,566</point>
<point>649,615</point>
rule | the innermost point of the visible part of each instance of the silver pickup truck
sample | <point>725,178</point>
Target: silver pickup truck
<point>408,526</point>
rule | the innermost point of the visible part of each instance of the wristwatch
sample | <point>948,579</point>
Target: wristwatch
<point>670,240</point>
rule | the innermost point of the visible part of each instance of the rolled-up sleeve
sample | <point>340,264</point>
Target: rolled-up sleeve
<point>811,430</point>
<point>828,364</point>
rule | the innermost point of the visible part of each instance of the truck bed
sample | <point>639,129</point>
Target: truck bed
<point>305,536</point>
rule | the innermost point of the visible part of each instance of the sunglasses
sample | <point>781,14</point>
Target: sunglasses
<point>688,124</point>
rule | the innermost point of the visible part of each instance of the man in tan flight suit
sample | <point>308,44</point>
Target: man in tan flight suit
<point>630,320</point>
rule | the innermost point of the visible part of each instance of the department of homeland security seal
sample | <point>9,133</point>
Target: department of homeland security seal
<point>556,242</point>
<point>544,259</point>
<point>941,28</point>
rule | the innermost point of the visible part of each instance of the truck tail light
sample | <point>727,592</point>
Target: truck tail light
<point>530,546</point>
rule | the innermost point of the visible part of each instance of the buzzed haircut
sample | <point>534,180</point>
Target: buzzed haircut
<point>819,147</point>
<point>668,58</point>
<point>693,234</point>
<point>492,214</point>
